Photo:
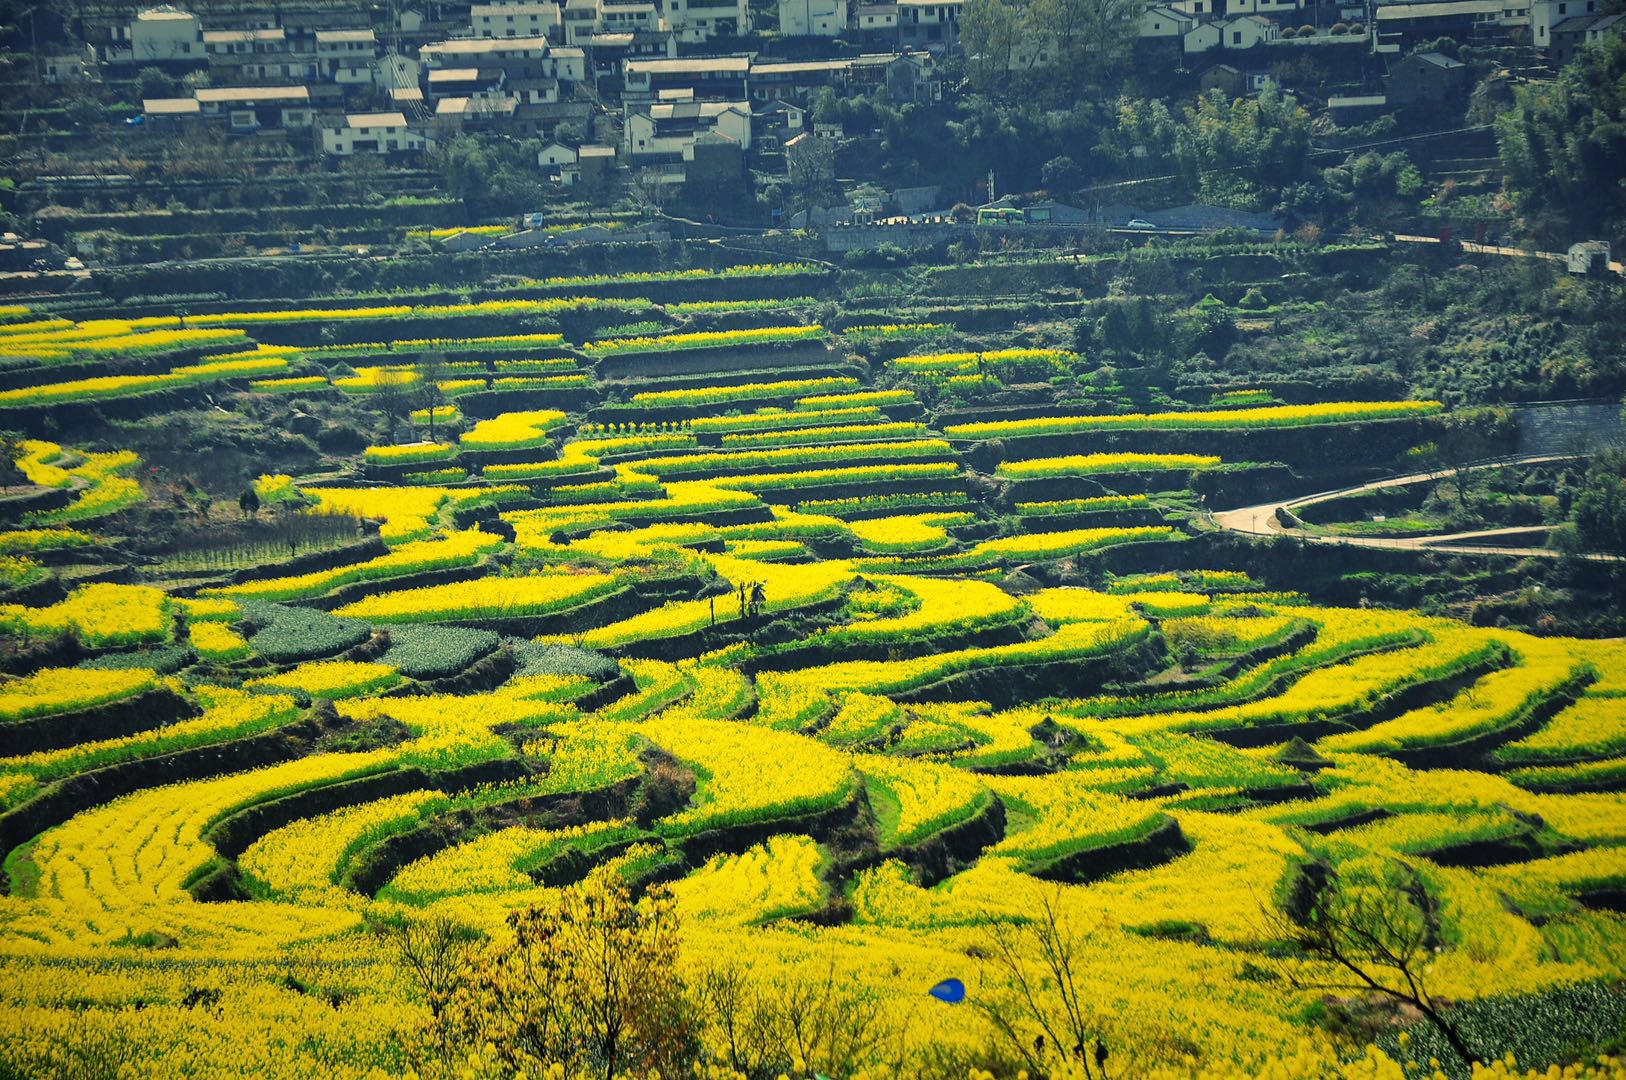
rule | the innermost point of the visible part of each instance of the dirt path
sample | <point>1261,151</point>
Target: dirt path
<point>1263,520</point>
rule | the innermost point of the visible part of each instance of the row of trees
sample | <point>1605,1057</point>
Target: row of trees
<point>595,986</point>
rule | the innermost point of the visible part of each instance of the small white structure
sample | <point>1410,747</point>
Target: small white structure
<point>553,158</point>
<point>812,18</point>
<point>1589,257</point>
<point>369,133</point>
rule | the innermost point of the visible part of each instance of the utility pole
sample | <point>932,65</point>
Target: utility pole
<point>990,186</point>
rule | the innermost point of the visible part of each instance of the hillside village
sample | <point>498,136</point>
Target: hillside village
<point>787,114</point>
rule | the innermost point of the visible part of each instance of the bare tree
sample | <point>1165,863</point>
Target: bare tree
<point>392,397</point>
<point>1364,932</point>
<point>431,369</point>
<point>438,955</point>
<point>1045,1014</point>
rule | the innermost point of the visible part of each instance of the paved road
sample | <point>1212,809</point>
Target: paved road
<point>1262,520</point>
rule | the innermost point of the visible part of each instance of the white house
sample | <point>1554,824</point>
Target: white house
<point>1546,14</point>
<point>346,56</point>
<point>1201,38</point>
<point>250,108</point>
<point>72,67</point>
<point>164,34</point>
<point>245,42</point>
<point>369,133</point>
<point>812,18</point>
<point>1195,7</point>
<point>665,131</point>
<point>395,72</point>
<point>1164,22</point>
<point>1234,8</point>
<point>1248,31</point>
<point>877,19</point>
<point>500,20</point>
<point>592,164</point>
<point>699,20</point>
<point>554,156</point>
<point>471,52</point>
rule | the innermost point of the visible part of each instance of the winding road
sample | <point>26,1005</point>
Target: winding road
<point>1264,519</point>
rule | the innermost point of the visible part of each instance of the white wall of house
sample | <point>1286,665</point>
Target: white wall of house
<point>383,139</point>
<point>812,18</point>
<point>514,20</point>
<point>159,35</point>
<point>1162,22</point>
<point>1202,38</point>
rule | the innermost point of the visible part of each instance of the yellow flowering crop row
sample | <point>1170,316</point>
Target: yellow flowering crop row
<point>484,598</point>
<point>784,587</point>
<point>748,773</point>
<point>776,878</point>
<point>291,384</point>
<point>57,690</point>
<point>1593,727</point>
<point>409,453</point>
<point>839,433</point>
<point>308,855</point>
<point>1336,412</point>
<point>896,331</point>
<point>1074,641</point>
<point>228,714</point>
<point>705,339</point>
<point>1029,547</point>
<point>332,678</point>
<point>855,474</point>
<point>511,431</point>
<point>1087,464</point>
<point>98,615</point>
<point>15,540</point>
<point>994,362</point>
<point>723,395</point>
<point>217,641</point>
<point>262,362</point>
<point>462,548</point>
<point>1082,506</point>
<point>919,798</point>
<point>857,399</point>
<point>406,511</point>
<point>911,533</point>
<point>772,419</point>
<point>735,461</point>
<point>1543,668</point>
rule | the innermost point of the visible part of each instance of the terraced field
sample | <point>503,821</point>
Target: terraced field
<point>866,679</point>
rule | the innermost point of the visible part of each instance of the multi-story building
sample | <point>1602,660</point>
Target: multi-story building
<point>507,20</point>
<point>370,133</point>
<point>346,56</point>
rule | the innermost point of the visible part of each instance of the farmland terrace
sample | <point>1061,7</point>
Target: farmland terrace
<point>872,622</point>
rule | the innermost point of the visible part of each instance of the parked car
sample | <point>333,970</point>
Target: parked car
<point>1140,223</point>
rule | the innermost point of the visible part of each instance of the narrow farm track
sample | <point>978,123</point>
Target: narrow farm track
<point>1265,519</point>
